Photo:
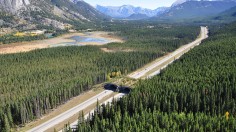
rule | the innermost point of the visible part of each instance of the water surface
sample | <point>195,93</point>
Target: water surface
<point>89,39</point>
<point>81,39</point>
<point>65,44</point>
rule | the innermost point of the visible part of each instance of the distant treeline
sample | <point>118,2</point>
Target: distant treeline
<point>11,38</point>
<point>6,39</point>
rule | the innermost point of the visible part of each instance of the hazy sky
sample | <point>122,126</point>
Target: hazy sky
<point>152,4</point>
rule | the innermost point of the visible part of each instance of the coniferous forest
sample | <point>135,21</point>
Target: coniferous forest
<point>196,93</point>
<point>32,83</point>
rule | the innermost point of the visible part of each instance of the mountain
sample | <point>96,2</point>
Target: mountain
<point>127,10</point>
<point>195,9</point>
<point>13,5</point>
<point>53,13</point>
<point>137,17</point>
<point>161,10</point>
<point>226,16</point>
<point>230,13</point>
<point>178,2</point>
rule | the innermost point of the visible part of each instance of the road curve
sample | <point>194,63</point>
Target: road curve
<point>170,58</point>
<point>60,118</point>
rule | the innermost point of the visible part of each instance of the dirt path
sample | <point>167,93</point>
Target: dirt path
<point>46,43</point>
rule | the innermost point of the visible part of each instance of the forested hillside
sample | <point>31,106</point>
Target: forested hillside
<point>197,93</point>
<point>33,83</point>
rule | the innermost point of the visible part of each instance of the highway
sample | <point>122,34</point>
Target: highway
<point>118,96</point>
<point>169,58</point>
<point>60,118</point>
<point>136,75</point>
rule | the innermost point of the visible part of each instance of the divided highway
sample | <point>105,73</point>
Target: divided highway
<point>145,73</point>
<point>118,96</point>
<point>169,58</point>
<point>60,118</point>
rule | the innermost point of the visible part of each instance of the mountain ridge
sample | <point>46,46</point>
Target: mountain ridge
<point>125,11</point>
<point>137,16</point>
<point>14,5</point>
<point>56,13</point>
<point>196,9</point>
<point>179,2</point>
<point>226,16</point>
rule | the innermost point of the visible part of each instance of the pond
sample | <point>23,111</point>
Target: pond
<point>89,40</point>
<point>79,40</point>
<point>48,35</point>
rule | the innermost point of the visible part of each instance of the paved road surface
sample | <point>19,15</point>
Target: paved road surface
<point>171,57</point>
<point>118,96</point>
<point>60,118</point>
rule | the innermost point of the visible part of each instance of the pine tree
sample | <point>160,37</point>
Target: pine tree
<point>7,127</point>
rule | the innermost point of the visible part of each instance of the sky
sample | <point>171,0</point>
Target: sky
<point>151,4</point>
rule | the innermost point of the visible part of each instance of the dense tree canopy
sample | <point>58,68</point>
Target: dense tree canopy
<point>196,93</point>
<point>33,83</point>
